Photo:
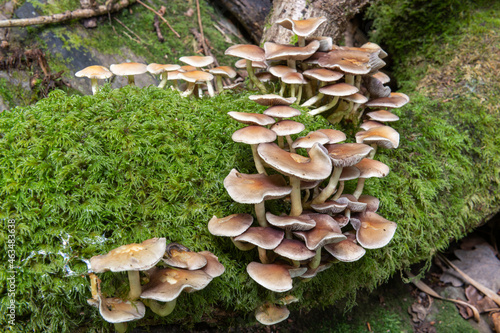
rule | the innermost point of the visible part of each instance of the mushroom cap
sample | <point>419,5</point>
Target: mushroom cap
<point>338,89</point>
<point>317,166</point>
<point>294,249</point>
<point>280,70</point>
<point>95,72</point>
<point>131,257</point>
<point>174,75</point>
<point>287,127</point>
<point>246,51</point>
<point>330,207</point>
<point>335,136</point>
<point>326,231</point>
<point>196,76</point>
<point>242,63</point>
<point>213,267</point>
<point>312,272</point>
<point>352,60</point>
<point>302,28</point>
<point>372,203</point>
<point>253,189</point>
<point>349,173</point>
<point>325,43</point>
<point>383,116</point>
<point>128,68</point>
<point>197,61</point>
<point>373,46</point>
<point>310,139</point>
<point>293,78</point>
<point>272,99</point>
<point>271,276</point>
<point>166,284</point>
<point>395,100</point>
<point>183,258</point>
<point>264,237</point>
<point>226,71</point>
<point>253,135</point>
<point>282,111</point>
<point>347,154</point>
<point>270,314</point>
<point>382,77</point>
<point>383,136</point>
<point>366,125</point>
<point>251,118</point>
<point>301,222</point>
<point>187,68</point>
<point>117,310</point>
<point>230,226</point>
<point>323,74</point>
<point>314,59</point>
<point>373,231</point>
<point>346,250</point>
<point>372,168</point>
<point>274,51</point>
<point>161,68</point>
<point>352,203</point>
<point>265,77</point>
<point>356,98</point>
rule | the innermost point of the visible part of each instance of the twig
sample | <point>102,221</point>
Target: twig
<point>161,17</point>
<point>203,42</point>
<point>130,30</point>
<point>68,15</point>
<point>156,25</point>
<point>132,38</point>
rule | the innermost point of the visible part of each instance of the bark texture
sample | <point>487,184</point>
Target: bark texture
<point>338,13</point>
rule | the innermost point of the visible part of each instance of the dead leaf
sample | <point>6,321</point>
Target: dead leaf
<point>482,303</point>
<point>495,318</point>
<point>189,12</point>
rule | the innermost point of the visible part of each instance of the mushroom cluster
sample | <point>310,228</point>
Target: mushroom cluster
<point>181,269</point>
<point>324,225</point>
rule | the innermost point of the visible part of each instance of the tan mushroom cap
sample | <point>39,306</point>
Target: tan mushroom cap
<point>253,134</point>
<point>174,75</point>
<point>264,237</point>
<point>347,154</point>
<point>196,76</point>
<point>213,267</point>
<point>356,98</point>
<point>325,43</point>
<point>371,168</point>
<point>270,314</point>
<point>230,226</point>
<point>317,166</point>
<point>265,77</point>
<point>271,276</point>
<point>326,231</point>
<point>314,59</point>
<point>383,136</point>
<point>187,68</point>
<point>330,207</point>
<point>246,51</point>
<point>95,72</point>
<point>310,139</point>
<point>242,63</point>
<point>197,61</point>
<point>161,68</point>
<point>301,222</point>
<point>275,51</point>
<point>346,250</point>
<point>115,310</point>
<point>282,111</point>
<point>251,118</point>
<point>302,28</point>
<point>184,259</point>
<point>272,99</point>
<point>352,203</point>
<point>383,116</point>
<point>374,231</point>
<point>323,74</point>
<point>287,127</point>
<point>372,203</point>
<point>335,136</point>
<point>131,257</point>
<point>253,189</point>
<point>312,272</point>
<point>349,173</point>
<point>225,71</point>
<point>352,61</point>
<point>339,89</point>
<point>395,100</point>
<point>382,77</point>
<point>373,46</point>
<point>294,249</point>
<point>280,70</point>
<point>166,284</point>
<point>128,68</point>
<point>293,78</point>
<point>366,125</point>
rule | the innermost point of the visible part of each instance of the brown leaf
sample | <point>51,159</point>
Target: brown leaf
<point>189,12</point>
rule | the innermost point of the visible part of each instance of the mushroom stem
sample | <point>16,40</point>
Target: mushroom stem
<point>210,88</point>
<point>299,94</point>
<point>324,107</point>
<point>311,101</point>
<point>263,256</point>
<point>243,246</point>
<point>281,142</point>
<point>257,160</point>
<point>162,309</point>
<point>371,155</point>
<point>301,40</point>
<point>94,86</point>
<point>283,87</point>
<point>260,213</point>
<point>292,90</point>
<point>292,63</point>
<point>359,188</point>
<point>316,260</point>
<point>330,188</point>
<point>290,142</point>
<point>134,280</point>
<point>189,90</point>
<point>218,82</point>
<point>131,80</point>
<point>164,79</point>
<point>296,209</point>
<point>339,191</point>
<point>121,327</point>
<point>349,79</point>
<point>254,78</point>
<point>94,281</point>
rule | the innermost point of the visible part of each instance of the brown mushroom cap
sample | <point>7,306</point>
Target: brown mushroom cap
<point>270,314</point>
<point>301,222</point>
<point>166,284</point>
<point>395,100</point>
<point>196,76</point>
<point>347,154</point>
<point>312,272</point>
<point>383,116</point>
<point>95,72</point>
<point>271,276</point>
<point>187,68</point>
<point>282,111</point>
<point>116,310</point>
<point>373,46</point>
<point>366,125</point>
<point>335,136</point>
<point>242,63</point>
<point>310,139</point>
<point>372,203</point>
<point>383,136</point>
<point>161,68</point>
<point>352,203</point>
<point>197,61</point>
<point>374,231</point>
<point>275,51</point>
<point>246,51</point>
<point>128,68</point>
<point>338,89</point>
<point>352,60</point>
<point>371,168</point>
<point>230,226</point>
<point>356,98</point>
<point>349,173</point>
<point>326,231</point>
<point>264,237</point>
<point>251,118</point>
<point>287,127</point>
<point>253,135</point>
<point>346,250</point>
<point>180,258</point>
<point>323,74</point>
<point>213,267</point>
<point>293,78</point>
<point>330,207</point>
<point>302,28</point>
<point>382,77</point>
<point>253,189</point>
<point>131,257</point>
<point>225,71</point>
<point>325,43</point>
<point>280,70</point>
<point>272,99</point>
<point>294,249</point>
<point>317,166</point>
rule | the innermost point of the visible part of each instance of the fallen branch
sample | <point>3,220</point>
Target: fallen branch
<point>160,16</point>
<point>68,15</point>
<point>129,30</point>
<point>156,25</point>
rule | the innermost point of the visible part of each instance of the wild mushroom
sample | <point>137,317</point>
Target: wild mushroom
<point>222,71</point>
<point>119,312</point>
<point>336,90</point>
<point>163,70</point>
<point>128,69</point>
<point>271,276</point>
<point>94,73</point>
<point>286,128</point>
<point>270,314</point>
<point>302,28</point>
<point>289,53</point>
<point>232,226</point>
<point>194,77</point>
<point>265,238</point>
<point>373,231</point>
<point>179,256</point>
<point>253,135</point>
<point>249,53</point>
<point>369,168</point>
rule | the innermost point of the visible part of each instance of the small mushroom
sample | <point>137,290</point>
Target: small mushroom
<point>95,73</point>
<point>128,69</point>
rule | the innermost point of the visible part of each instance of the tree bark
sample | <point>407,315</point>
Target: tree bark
<point>337,12</point>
